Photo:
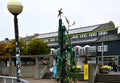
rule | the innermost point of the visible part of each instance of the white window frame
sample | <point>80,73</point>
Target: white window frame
<point>105,48</point>
<point>93,49</point>
<point>103,33</point>
<point>52,39</point>
<point>45,40</point>
<point>99,48</point>
<point>74,37</point>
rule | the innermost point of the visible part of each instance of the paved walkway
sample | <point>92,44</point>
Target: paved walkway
<point>116,73</point>
<point>31,80</point>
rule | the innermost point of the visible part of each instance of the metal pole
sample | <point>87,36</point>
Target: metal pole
<point>102,54</point>
<point>17,48</point>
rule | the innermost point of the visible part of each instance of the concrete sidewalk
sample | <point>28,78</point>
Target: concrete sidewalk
<point>31,80</point>
<point>40,81</point>
<point>116,73</point>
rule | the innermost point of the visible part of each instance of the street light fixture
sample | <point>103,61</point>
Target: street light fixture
<point>15,7</point>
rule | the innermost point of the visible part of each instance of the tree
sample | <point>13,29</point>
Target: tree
<point>37,47</point>
<point>2,49</point>
<point>10,48</point>
<point>3,54</point>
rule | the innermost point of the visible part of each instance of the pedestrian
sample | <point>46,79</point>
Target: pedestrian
<point>115,67</point>
<point>51,72</point>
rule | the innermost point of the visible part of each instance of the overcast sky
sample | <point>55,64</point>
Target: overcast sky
<point>40,16</point>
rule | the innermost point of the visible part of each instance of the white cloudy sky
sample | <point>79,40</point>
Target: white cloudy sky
<point>40,16</point>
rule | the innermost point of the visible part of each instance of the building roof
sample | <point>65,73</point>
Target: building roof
<point>111,37</point>
<point>28,38</point>
<point>47,35</point>
<point>104,38</point>
<point>85,41</point>
<point>105,26</point>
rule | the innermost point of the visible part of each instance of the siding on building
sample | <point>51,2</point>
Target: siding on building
<point>91,35</point>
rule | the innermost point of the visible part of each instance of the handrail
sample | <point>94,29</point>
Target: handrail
<point>96,70</point>
<point>94,75</point>
<point>43,72</point>
<point>12,78</point>
<point>44,69</point>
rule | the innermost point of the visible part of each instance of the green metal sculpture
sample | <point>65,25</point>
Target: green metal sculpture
<point>65,56</point>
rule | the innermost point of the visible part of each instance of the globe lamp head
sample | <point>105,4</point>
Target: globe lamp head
<point>15,7</point>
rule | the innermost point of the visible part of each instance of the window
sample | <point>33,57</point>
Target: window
<point>82,36</point>
<point>76,51</point>
<point>104,48</point>
<point>93,49</point>
<point>45,40</point>
<point>103,33</point>
<point>74,37</point>
<point>99,48</point>
<point>52,39</point>
<point>92,34</point>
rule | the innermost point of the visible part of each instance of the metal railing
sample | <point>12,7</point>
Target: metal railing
<point>95,73</point>
<point>42,73</point>
<point>9,79</point>
<point>96,70</point>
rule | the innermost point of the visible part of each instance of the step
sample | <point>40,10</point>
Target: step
<point>107,78</point>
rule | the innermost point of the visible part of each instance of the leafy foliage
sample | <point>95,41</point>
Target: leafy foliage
<point>2,49</point>
<point>3,54</point>
<point>33,47</point>
<point>37,47</point>
<point>10,48</point>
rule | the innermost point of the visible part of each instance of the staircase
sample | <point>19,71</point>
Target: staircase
<point>108,78</point>
<point>43,70</point>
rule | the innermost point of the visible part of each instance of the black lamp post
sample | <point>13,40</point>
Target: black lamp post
<point>15,7</point>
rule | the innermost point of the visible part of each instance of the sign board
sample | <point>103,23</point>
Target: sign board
<point>86,72</point>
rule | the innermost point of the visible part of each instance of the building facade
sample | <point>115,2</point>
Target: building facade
<point>103,41</point>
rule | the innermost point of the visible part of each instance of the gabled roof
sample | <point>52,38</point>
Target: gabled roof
<point>83,29</point>
<point>106,26</point>
<point>112,37</point>
<point>98,27</point>
<point>104,38</point>
<point>71,31</point>
<point>85,40</point>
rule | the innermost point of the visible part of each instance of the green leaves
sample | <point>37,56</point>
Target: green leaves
<point>33,47</point>
<point>2,48</point>
<point>37,47</point>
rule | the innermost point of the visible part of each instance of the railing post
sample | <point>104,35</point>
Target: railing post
<point>12,81</point>
<point>4,80</point>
